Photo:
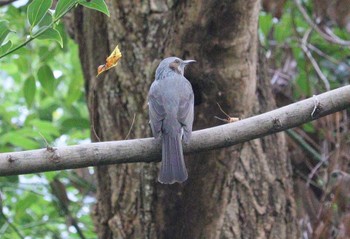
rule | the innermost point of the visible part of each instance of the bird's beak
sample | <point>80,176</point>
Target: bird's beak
<point>188,61</point>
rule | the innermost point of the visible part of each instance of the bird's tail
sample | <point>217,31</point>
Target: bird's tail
<point>173,168</point>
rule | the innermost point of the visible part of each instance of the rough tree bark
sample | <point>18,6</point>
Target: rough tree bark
<point>243,191</point>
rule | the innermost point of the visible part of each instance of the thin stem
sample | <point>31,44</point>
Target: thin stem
<point>313,61</point>
<point>17,47</point>
<point>304,145</point>
<point>132,124</point>
<point>31,38</point>
<point>11,225</point>
<point>329,36</point>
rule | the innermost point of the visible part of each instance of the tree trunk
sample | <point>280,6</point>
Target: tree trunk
<point>243,191</point>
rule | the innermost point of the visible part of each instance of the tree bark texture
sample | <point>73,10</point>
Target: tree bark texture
<point>243,191</point>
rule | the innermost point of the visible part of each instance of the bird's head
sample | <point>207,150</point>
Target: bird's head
<point>171,65</point>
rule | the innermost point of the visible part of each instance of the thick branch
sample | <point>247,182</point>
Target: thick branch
<point>149,149</point>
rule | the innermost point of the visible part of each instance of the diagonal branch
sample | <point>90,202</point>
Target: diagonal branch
<point>149,149</point>
<point>329,36</point>
<point>17,231</point>
<point>313,61</point>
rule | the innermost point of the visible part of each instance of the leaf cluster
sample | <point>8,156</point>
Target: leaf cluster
<point>42,105</point>
<point>42,22</point>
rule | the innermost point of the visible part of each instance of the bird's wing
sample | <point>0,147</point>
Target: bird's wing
<point>156,110</point>
<point>186,111</point>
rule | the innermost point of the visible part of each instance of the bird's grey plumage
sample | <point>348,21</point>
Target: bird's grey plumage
<point>171,103</point>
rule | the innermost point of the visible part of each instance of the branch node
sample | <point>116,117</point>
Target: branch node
<point>276,124</point>
<point>317,108</point>
<point>10,158</point>
<point>50,149</point>
<point>54,157</point>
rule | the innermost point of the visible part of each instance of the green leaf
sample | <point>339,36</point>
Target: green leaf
<point>10,179</point>
<point>4,31</point>
<point>24,204</point>
<point>9,67</point>
<point>75,123</point>
<point>45,127</point>
<point>29,89</point>
<point>308,127</point>
<point>62,30</point>
<point>37,10</point>
<point>46,79</point>
<point>51,34</point>
<point>74,111</point>
<point>265,23</point>
<point>62,7</point>
<point>47,107</point>
<point>51,175</point>
<point>98,5</point>
<point>23,64</point>
<point>46,55</point>
<point>73,94</point>
<point>4,48</point>
<point>19,140</point>
<point>28,132</point>
<point>74,91</point>
<point>47,19</point>
<point>303,83</point>
<point>281,32</point>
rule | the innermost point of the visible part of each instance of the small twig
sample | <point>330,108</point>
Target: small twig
<point>278,74</point>
<point>298,172</point>
<point>314,170</point>
<point>330,38</point>
<point>307,139</point>
<point>94,131</point>
<point>229,118</point>
<point>304,145</point>
<point>92,115</point>
<point>317,107</point>
<point>312,60</point>
<point>224,120</point>
<point>11,225</point>
<point>326,56</point>
<point>328,31</point>
<point>223,110</point>
<point>47,144</point>
<point>59,191</point>
<point>132,124</point>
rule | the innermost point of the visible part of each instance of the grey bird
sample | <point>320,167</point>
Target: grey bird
<point>171,106</point>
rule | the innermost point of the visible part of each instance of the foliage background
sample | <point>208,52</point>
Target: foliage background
<point>42,104</point>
